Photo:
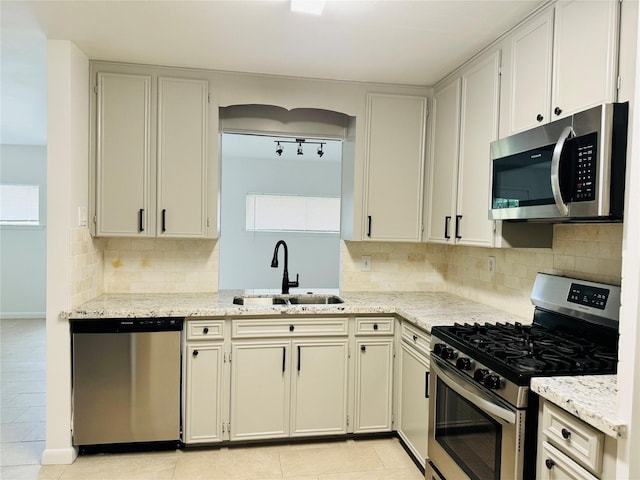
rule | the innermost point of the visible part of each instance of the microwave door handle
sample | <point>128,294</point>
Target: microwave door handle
<point>476,397</point>
<point>566,134</point>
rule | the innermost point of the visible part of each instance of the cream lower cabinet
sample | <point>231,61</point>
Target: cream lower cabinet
<point>414,391</point>
<point>283,386</point>
<point>206,399</point>
<point>570,449</point>
<point>374,352</point>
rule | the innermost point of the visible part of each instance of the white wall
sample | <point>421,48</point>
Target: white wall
<point>67,153</point>
<point>245,259</point>
<point>23,248</point>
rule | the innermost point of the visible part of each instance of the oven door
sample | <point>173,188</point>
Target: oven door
<point>472,434</point>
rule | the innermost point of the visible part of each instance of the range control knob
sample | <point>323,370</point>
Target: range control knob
<point>463,363</point>
<point>438,347</point>
<point>492,382</point>
<point>448,353</point>
<point>479,374</point>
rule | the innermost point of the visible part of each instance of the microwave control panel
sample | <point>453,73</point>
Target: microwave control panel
<point>585,168</point>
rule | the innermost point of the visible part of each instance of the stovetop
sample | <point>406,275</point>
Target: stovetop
<point>519,352</point>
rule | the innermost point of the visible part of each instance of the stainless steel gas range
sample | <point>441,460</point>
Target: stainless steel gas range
<point>482,416</point>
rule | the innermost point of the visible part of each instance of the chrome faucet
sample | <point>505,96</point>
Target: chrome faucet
<point>285,277</point>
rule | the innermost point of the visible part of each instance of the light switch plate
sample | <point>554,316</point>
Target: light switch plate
<point>365,263</point>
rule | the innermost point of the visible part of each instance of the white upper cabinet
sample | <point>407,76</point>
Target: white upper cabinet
<point>123,154</point>
<point>531,48</point>
<point>585,55</point>
<point>466,122</point>
<point>182,157</point>
<point>394,166</point>
<point>560,62</point>
<point>155,167</point>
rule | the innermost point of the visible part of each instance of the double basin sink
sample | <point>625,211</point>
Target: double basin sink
<point>292,299</point>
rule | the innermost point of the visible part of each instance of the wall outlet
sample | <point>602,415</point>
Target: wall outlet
<point>365,263</point>
<point>82,216</point>
<point>491,265</point>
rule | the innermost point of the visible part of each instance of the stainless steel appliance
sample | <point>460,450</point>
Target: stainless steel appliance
<point>482,416</point>
<point>126,383</point>
<point>570,169</point>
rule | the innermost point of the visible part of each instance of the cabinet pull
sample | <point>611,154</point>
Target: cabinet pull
<point>369,226</point>
<point>141,220</point>
<point>164,220</point>
<point>205,330</point>
<point>557,110</point>
<point>363,348</point>
<point>415,338</point>
<point>549,463</point>
<point>375,326</point>
<point>298,358</point>
<point>539,118</point>
<point>291,328</point>
<point>458,218</point>
<point>284,357</point>
<point>566,434</point>
<point>426,384</point>
<point>195,353</point>
<point>447,220</point>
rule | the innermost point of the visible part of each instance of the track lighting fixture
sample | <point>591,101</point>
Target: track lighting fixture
<point>299,141</point>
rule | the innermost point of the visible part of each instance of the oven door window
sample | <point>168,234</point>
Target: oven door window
<point>470,436</point>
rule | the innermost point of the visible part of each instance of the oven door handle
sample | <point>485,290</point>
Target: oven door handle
<point>476,396</point>
<point>566,134</point>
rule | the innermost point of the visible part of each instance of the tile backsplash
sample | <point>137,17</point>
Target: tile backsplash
<point>86,266</point>
<point>135,265</point>
<point>587,251</point>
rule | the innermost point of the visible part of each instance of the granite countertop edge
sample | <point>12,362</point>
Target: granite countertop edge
<point>591,398</point>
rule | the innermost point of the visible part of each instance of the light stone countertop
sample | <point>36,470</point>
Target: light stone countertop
<point>591,398</point>
<point>423,309</point>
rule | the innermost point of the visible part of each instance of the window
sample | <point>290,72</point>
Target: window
<point>292,213</point>
<point>19,204</point>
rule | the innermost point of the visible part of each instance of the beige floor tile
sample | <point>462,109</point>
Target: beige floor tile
<point>399,474</point>
<point>158,466</point>
<point>393,455</point>
<point>229,464</point>
<point>51,472</point>
<point>335,459</point>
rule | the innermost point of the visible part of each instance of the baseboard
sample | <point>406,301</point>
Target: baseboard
<point>59,456</point>
<point>19,315</point>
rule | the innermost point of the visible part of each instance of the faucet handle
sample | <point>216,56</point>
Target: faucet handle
<point>297,282</point>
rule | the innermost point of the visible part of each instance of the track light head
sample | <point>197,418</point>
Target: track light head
<point>279,149</point>
<point>320,152</point>
<point>299,148</point>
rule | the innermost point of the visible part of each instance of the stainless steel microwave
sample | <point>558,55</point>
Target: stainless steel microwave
<point>572,169</point>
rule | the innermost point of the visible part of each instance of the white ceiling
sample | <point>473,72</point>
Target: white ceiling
<point>390,41</point>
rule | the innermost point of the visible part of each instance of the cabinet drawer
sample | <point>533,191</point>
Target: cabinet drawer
<point>292,327</point>
<point>374,325</point>
<point>205,329</point>
<point>553,465</point>
<point>573,437</point>
<point>417,338</point>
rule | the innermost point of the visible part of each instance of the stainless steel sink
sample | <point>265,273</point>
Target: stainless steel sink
<point>295,299</point>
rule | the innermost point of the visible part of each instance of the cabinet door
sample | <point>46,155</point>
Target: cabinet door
<point>260,379</point>
<point>444,163</point>
<point>414,401</point>
<point>319,388</point>
<point>203,399</point>
<point>374,385</point>
<point>585,55</point>
<point>182,157</point>
<point>123,155</point>
<point>553,465</point>
<point>479,127</point>
<point>529,99</point>
<point>395,162</point>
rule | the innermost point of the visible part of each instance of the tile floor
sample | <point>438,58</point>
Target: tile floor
<point>22,403</point>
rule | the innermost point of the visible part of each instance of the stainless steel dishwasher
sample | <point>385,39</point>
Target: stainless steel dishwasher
<point>126,383</point>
